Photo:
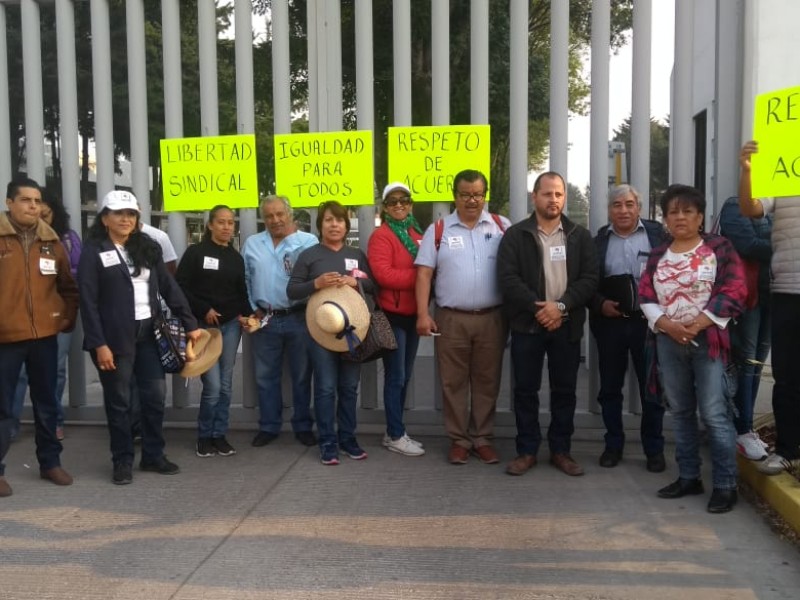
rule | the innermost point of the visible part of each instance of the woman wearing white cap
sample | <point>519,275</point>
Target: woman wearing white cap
<point>392,250</point>
<point>120,274</point>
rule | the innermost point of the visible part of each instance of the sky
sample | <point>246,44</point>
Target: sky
<point>663,43</point>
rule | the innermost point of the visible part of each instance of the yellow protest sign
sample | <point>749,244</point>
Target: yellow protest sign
<point>199,173</point>
<point>776,166</point>
<point>427,159</point>
<point>314,167</point>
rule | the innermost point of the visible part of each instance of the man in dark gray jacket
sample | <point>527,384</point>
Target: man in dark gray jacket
<point>547,272</point>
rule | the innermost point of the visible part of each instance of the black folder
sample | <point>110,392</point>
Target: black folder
<point>622,289</point>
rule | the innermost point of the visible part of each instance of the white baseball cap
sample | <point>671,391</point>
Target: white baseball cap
<point>118,200</point>
<point>397,185</point>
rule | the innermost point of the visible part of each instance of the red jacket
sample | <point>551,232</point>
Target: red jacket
<point>393,268</point>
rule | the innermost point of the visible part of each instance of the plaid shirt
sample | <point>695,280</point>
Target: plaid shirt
<point>727,300</point>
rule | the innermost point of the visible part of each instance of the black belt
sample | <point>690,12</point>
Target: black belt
<point>282,312</point>
<point>479,311</point>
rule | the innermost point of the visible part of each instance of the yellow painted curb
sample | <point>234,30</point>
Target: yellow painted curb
<point>782,492</point>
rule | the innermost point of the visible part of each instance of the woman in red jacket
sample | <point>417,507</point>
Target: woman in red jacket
<point>392,250</point>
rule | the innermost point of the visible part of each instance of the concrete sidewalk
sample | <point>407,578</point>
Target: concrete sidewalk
<point>273,522</point>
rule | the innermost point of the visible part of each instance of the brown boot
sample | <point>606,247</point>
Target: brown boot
<point>5,489</point>
<point>521,465</point>
<point>57,475</point>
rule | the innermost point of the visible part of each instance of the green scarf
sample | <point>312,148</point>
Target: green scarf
<point>400,229</point>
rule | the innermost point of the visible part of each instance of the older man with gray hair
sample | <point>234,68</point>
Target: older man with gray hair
<point>619,326</point>
<point>269,258</point>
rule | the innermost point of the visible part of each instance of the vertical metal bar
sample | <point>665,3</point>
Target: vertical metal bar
<point>479,61</point>
<point>70,170</point>
<point>681,123</point>
<point>313,67</point>
<point>137,104</point>
<point>518,111</point>
<point>598,168</point>
<point>101,86</point>
<point>440,79</point>
<point>245,96</point>
<point>559,86</point>
<point>401,42</point>
<point>173,94</point>
<point>333,62</point>
<point>5,112</point>
<point>640,102</point>
<point>32,77</point>
<point>207,53</point>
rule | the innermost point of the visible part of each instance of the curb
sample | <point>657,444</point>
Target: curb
<point>782,491</point>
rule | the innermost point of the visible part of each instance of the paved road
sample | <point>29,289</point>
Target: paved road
<point>274,523</point>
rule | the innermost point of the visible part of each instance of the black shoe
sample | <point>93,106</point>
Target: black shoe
<point>161,466</point>
<point>722,501</point>
<point>205,448</point>
<point>610,457</point>
<point>123,474</point>
<point>263,438</point>
<point>306,438</point>
<point>656,463</point>
<point>222,446</point>
<point>681,487</point>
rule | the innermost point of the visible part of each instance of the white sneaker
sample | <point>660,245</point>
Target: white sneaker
<point>387,440</point>
<point>775,464</point>
<point>750,446</point>
<point>404,445</point>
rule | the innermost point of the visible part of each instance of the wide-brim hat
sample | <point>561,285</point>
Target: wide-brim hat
<point>207,350</point>
<point>335,314</point>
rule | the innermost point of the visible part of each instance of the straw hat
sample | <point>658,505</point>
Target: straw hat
<point>333,314</point>
<point>206,353</point>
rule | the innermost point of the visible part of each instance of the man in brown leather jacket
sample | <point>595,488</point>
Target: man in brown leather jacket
<point>38,299</point>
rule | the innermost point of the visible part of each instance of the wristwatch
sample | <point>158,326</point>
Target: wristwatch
<point>561,307</point>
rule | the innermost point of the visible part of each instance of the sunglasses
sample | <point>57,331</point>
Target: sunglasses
<point>404,201</point>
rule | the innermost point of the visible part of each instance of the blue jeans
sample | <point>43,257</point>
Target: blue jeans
<point>64,340</point>
<point>40,358</point>
<point>750,341</point>
<point>332,376</point>
<point>285,335</point>
<point>692,379</point>
<point>215,400</point>
<point>398,366</point>
<point>527,358</point>
<point>616,338</point>
<point>146,367</point>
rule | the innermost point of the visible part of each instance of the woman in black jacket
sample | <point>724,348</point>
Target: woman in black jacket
<point>211,275</point>
<point>121,274</point>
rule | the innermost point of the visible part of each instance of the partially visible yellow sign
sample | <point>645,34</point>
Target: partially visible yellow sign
<point>199,173</point>
<point>776,166</point>
<point>311,168</point>
<point>427,159</point>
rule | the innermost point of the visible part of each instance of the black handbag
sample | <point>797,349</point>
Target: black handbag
<point>170,339</point>
<point>380,338</point>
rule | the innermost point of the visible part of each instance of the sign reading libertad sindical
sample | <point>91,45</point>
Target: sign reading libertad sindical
<point>199,173</point>
<point>776,165</point>
<point>427,159</point>
<point>311,168</point>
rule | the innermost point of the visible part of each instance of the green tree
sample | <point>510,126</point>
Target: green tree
<point>538,75</point>
<point>577,205</point>
<point>659,155</point>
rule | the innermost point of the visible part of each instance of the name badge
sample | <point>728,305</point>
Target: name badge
<point>455,243</point>
<point>558,253</point>
<point>209,262</point>
<point>706,273</point>
<point>350,264</point>
<point>47,266</point>
<point>110,258</point>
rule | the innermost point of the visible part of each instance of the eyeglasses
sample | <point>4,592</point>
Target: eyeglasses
<point>465,196</point>
<point>402,201</point>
